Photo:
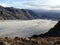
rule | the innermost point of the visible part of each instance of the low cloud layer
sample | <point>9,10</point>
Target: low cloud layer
<point>25,28</point>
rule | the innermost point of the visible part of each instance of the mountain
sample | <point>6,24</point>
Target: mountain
<point>53,32</point>
<point>48,14</point>
<point>10,13</point>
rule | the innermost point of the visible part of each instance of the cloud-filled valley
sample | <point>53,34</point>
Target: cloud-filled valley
<point>25,28</point>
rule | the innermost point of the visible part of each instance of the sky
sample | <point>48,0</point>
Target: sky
<point>32,4</point>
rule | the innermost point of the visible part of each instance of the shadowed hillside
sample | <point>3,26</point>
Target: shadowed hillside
<point>53,32</point>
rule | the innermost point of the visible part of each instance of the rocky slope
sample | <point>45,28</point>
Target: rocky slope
<point>53,32</point>
<point>10,13</point>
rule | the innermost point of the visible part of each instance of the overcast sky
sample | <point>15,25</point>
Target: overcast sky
<point>32,4</point>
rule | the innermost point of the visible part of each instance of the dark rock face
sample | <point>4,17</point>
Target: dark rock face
<point>10,13</point>
<point>53,32</point>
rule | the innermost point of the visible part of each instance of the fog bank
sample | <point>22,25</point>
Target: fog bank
<point>25,28</point>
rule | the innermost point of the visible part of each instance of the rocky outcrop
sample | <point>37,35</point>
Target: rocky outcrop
<point>53,32</point>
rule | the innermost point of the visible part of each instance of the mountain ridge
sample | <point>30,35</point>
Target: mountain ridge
<point>11,13</point>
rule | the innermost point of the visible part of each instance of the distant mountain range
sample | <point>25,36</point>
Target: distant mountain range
<point>11,13</point>
<point>48,14</point>
<point>53,32</point>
